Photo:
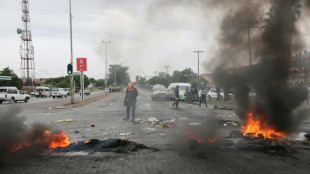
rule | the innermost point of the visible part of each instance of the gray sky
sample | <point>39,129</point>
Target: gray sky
<point>145,34</point>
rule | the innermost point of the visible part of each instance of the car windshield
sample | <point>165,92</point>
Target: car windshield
<point>56,90</point>
<point>159,89</point>
<point>184,88</point>
<point>3,90</point>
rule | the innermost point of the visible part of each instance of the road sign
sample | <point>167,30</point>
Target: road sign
<point>5,78</point>
<point>81,64</point>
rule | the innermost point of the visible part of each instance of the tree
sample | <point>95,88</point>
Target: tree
<point>121,74</point>
<point>100,82</point>
<point>15,80</point>
<point>64,82</point>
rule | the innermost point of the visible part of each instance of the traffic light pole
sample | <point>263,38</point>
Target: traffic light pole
<point>71,76</point>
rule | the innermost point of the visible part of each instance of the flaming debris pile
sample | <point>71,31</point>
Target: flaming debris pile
<point>276,109</point>
<point>15,135</point>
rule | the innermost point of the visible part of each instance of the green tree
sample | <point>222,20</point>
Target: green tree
<point>15,80</point>
<point>100,82</point>
<point>198,83</point>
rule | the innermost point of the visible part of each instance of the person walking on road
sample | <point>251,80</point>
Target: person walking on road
<point>130,101</point>
<point>176,94</point>
<point>199,96</point>
<point>202,98</point>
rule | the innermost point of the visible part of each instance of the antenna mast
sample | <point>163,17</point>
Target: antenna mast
<point>27,65</point>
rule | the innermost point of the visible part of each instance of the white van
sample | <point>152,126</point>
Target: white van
<point>59,92</point>
<point>43,92</point>
<point>182,87</point>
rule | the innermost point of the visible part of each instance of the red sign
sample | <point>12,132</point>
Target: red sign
<point>81,64</point>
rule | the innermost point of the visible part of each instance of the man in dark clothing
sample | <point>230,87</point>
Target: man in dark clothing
<point>176,94</point>
<point>130,101</point>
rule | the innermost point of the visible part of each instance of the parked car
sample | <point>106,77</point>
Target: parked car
<point>59,92</point>
<point>43,92</point>
<point>12,95</point>
<point>107,90</point>
<point>182,87</point>
<point>213,95</point>
<point>158,86</point>
<point>86,92</point>
<point>68,91</point>
<point>159,93</point>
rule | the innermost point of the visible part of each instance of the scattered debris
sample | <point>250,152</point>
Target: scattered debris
<point>124,134</point>
<point>139,120</point>
<point>92,125</point>
<point>183,118</point>
<point>163,135</point>
<point>194,124</point>
<point>61,121</point>
<point>152,119</point>
<point>60,107</point>
<point>76,132</point>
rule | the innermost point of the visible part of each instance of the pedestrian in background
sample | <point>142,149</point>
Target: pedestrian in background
<point>176,94</point>
<point>192,96</point>
<point>196,94</point>
<point>187,94</point>
<point>203,99</point>
<point>130,101</point>
<point>199,96</point>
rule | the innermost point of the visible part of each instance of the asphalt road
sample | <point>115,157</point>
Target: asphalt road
<point>173,155</point>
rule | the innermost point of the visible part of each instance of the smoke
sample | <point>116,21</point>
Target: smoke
<point>14,133</point>
<point>274,97</point>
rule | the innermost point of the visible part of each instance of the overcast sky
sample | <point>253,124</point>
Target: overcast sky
<point>145,35</point>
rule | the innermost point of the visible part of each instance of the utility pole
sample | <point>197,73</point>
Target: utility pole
<point>249,39</point>
<point>71,60</point>
<point>106,58</point>
<point>198,59</point>
<point>167,67</point>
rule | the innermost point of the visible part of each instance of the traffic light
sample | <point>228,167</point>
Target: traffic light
<point>69,68</point>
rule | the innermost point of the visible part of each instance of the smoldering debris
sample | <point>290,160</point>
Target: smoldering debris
<point>109,145</point>
<point>274,97</point>
<point>15,135</point>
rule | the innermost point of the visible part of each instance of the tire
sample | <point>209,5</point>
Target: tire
<point>53,96</point>
<point>26,100</point>
<point>65,96</point>
<point>12,100</point>
<point>1,102</point>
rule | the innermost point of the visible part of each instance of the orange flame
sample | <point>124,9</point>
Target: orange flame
<point>211,140</point>
<point>188,135</point>
<point>255,127</point>
<point>57,140</point>
<point>87,141</point>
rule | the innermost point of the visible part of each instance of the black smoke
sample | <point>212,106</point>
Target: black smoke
<point>14,132</point>
<point>268,78</point>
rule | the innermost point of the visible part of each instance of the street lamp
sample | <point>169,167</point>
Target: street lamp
<point>106,58</point>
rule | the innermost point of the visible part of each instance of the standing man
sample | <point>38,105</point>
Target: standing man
<point>176,94</point>
<point>130,101</point>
